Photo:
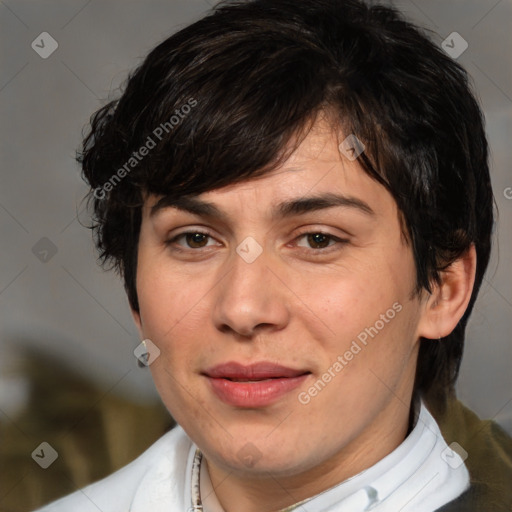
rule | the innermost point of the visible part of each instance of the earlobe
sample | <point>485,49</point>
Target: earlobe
<point>450,298</point>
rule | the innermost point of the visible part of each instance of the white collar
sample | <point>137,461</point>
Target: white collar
<point>414,477</point>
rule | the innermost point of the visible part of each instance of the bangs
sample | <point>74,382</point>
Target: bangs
<point>235,114</point>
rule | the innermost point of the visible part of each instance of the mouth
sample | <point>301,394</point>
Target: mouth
<point>255,385</point>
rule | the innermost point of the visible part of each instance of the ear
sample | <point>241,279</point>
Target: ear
<point>138,322</point>
<point>449,300</point>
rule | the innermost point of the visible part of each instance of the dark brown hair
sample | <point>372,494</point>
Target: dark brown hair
<point>228,97</point>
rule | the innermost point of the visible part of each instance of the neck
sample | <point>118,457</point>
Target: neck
<point>270,493</point>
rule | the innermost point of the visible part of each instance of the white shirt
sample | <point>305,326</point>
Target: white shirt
<point>420,475</point>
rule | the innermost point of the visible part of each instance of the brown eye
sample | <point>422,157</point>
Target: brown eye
<point>191,240</point>
<point>318,240</point>
<point>196,240</point>
<point>318,243</point>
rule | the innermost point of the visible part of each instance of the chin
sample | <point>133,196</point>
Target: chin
<point>254,458</point>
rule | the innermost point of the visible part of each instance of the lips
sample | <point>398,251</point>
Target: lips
<point>255,385</point>
<point>256,371</point>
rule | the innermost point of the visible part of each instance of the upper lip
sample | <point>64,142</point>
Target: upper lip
<point>255,371</point>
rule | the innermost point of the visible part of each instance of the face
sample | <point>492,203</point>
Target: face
<point>286,324</point>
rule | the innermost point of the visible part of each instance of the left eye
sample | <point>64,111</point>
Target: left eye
<point>318,240</point>
<point>194,239</point>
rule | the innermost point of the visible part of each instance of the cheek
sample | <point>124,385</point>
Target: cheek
<point>369,364</point>
<point>166,317</point>
<point>371,322</point>
<point>349,305</point>
<point>168,298</point>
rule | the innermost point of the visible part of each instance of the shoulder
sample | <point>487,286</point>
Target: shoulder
<point>489,457</point>
<point>118,491</point>
<point>479,497</point>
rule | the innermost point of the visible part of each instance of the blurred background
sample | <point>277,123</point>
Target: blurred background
<point>68,376</point>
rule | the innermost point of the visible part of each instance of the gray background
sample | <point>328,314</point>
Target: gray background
<point>67,306</point>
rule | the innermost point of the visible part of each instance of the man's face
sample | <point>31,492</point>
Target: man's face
<point>288,336</point>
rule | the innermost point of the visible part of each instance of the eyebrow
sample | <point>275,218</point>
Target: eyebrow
<point>289,208</point>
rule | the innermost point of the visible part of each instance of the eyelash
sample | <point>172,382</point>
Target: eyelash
<point>323,250</point>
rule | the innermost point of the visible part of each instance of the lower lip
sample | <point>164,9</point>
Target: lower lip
<point>256,393</point>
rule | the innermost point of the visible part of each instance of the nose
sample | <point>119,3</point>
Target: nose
<point>251,297</point>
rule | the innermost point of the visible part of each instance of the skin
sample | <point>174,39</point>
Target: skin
<point>300,304</point>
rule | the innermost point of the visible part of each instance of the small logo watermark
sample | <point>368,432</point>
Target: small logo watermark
<point>454,455</point>
<point>351,147</point>
<point>146,352</point>
<point>454,45</point>
<point>45,455</point>
<point>249,249</point>
<point>44,45</point>
<point>44,250</point>
<point>249,455</point>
